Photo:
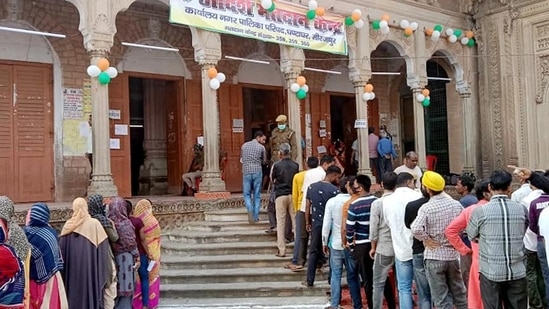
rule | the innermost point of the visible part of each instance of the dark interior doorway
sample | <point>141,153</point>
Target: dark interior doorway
<point>343,116</point>
<point>137,133</point>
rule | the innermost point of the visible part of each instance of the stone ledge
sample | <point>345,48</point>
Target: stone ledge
<point>212,195</point>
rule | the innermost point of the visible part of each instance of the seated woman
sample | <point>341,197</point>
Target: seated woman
<point>12,280</point>
<point>189,179</point>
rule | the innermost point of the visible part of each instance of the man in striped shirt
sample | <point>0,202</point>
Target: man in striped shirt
<point>499,228</point>
<point>358,233</point>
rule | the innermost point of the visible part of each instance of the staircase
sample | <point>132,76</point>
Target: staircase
<point>225,262</point>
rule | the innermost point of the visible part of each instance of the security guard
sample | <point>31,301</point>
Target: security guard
<point>282,134</point>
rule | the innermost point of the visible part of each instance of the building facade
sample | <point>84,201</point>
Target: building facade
<point>487,101</point>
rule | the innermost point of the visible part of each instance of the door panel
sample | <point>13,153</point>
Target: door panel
<point>193,123</point>
<point>320,110</point>
<point>121,158</point>
<point>231,107</point>
<point>174,136</point>
<point>7,184</point>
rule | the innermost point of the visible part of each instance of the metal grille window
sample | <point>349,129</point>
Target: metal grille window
<point>436,127</point>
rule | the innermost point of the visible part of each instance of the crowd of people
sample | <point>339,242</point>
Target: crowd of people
<point>483,250</point>
<point>106,256</point>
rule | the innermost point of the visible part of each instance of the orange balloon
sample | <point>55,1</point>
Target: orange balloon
<point>428,31</point>
<point>425,92</point>
<point>408,31</point>
<point>385,17</point>
<point>355,16</point>
<point>301,81</point>
<point>320,11</point>
<point>369,88</point>
<point>103,64</point>
<point>212,73</point>
<point>469,34</point>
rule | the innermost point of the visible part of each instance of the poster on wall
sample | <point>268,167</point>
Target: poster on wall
<point>76,126</point>
<point>72,103</point>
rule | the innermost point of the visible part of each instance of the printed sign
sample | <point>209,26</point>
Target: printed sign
<point>72,103</point>
<point>287,24</point>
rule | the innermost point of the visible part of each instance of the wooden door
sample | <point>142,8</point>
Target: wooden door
<point>373,114</point>
<point>320,110</point>
<point>174,134</point>
<point>231,107</point>
<point>192,127</point>
<point>121,158</point>
<point>26,132</point>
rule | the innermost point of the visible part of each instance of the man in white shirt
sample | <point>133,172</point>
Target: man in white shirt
<point>394,208</point>
<point>410,166</point>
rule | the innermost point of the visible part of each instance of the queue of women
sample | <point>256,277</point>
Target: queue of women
<point>106,256</point>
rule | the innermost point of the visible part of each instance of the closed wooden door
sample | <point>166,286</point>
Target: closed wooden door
<point>175,134</point>
<point>26,132</point>
<point>231,107</point>
<point>120,158</point>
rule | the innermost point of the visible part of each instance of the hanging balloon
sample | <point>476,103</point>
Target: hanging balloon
<point>305,88</point>
<point>449,32</point>
<point>408,31</point>
<point>471,42</point>
<point>271,8</point>
<point>426,102</point>
<point>294,87</point>
<point>425,92</point>
<point>103,64</point>
<point>349,21</point>
<point>93,71</point>
<point>420,97</point>
<point>311,14</point>
<point>266,3</point>
<point>214,84</point>
<point>369,88</point>
<point>212,72</point>
<point>385,17</point>
<point>435,36</point>
<point>356,15</point>
<point>452,38</point>
<point>457,32</point>
<point>300,80</point>
<point>385,30</point>
<point>414,26</point>
<point>313,5</point>
<point>383,24</point>
<point>301,94</point>
<point>428,32</point>
<point>376,24</point>
<point>221,77</point>
<point>359,24</point>
<point>104,78</point>
<point>366,96</point>
<point>372,95</point>
<point>320,11</point>
<point>464,40</point>
<point>112,72</point>
<point>438,28</point>
<point>404,24</point>
<point>469,34</point>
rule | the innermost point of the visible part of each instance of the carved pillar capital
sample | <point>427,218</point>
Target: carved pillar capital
<point>292,60</point>
<point>417,83</point>
<point>207,46</point>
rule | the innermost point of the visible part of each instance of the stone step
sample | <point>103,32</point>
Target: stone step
<point>224,226</point>
<point>228,215</point>
<point>224,248</point>
<point>302,302</point>
<point>235,275</point>
<point>199,237</point>
<point>172,262</point>
<point>244,290</point>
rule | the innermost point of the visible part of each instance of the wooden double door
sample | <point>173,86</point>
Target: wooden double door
<point>26,131</point>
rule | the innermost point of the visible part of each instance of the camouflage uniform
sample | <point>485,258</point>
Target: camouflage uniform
<point>278,137</point>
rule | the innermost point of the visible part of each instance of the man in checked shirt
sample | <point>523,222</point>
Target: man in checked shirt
<point>441,259</point>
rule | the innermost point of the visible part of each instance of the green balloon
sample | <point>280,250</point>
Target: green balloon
<point>375,24</point>
<point>104,78</point>
<point>426,102</point>
<point>272,8</point>
<point>349,21</point>
<point>438,28</point>
<point>311,14</point>
<point>471,42</point>
<point>457,32</point>
<point>301,94</point>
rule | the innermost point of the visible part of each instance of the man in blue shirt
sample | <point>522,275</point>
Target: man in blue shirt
<point>386,152</point>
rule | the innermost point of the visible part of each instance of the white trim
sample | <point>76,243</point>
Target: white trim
<point>247,60</point>
<point>323,71</point>
<point>10,29</point>
<point>150,46</point>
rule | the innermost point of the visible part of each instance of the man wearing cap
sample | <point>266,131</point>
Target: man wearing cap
<point>282,134</point>
<point>441,258</point>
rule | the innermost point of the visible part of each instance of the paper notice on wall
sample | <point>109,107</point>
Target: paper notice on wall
<point>238,123</point>
<point>238,130</point>
<point>115,143</point>
<point>200,140</point>
<point>84,128</point>
<point>321,149</point>
<point>322,133</point>
<point>322,124</point>
<point>72,103</point>
<point>361,124</point>
<point>114,114</point>
<point>120,129</point>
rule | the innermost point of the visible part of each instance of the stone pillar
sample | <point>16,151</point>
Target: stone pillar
<point>102,182</point>
<point>362,133</point>
<point>292,64</point>
<point>419,128</point>
<point>469,117</point>
<point>156,165</point>
<point>417,80</point>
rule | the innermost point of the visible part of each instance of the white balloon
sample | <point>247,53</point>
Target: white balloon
<point>383,24</point>
<point>434,38</point>
<point>372,95</point>
<point>428,98</point>
<point>313,5</point>
<point>404,24</point>
<point>214,84</point>
<point>366,96</point>
<point>305,88</point>
<point>294,87</point>
<point>266,3</point>
<point>221,77</point>
<point>420,97</point>
<point>452,39</point>
<point>449,32</point>
<point>385,30</point>
<point>357,11</point>
<point>414,25</point>
<point>359,24</point>
<point>435,35</point>
<point>464,40</point>
<point>112,72</point>
<point>93,71</point>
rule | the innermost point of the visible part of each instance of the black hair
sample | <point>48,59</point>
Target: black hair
<point>258,133</point>
<point>403,178</point>
<point>343,185</point>
<point>546,173</point>
<point>467,181</point>
<point>332,169</point>
<point>371,130</point>
<point>364,181</point>
<point>389,180</point>
<point>326,159</point>
<point>481,188</point>
<point>500,180</point>
<point>312,162</point>
<point>129,207</point>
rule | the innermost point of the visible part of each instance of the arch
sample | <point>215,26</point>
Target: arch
<point>451,65</point>
<point>410,72</point>
<point>339,82</point>
<point>154,61</point>
<point>263,74</point>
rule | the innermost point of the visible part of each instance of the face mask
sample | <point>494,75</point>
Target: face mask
<point>281,127</point>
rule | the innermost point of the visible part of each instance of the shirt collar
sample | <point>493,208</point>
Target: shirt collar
<point>499,196</point>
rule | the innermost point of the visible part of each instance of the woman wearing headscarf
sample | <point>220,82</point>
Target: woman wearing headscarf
<point>12,280</point>
<point>46,284</point>
<point>125,253</point>
<point>148,292</point>
<point>85,251</point>
<point>16,239</point>
<point>97,211</point>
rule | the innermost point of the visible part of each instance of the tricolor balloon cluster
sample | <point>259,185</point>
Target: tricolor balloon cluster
<point>268,5</point>
<point>300,87</point>
<point>368,93</point>
<point>315,10</point>
<point>424,97</point>
<point>103,71</point>
<point>434,33</point>
<point>408,27</point>
<point>216,78</point>
<point>382,24</point>
<point>465,37</point>
<point>355,19</point>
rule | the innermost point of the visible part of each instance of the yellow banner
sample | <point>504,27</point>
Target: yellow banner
<point>287,24</point>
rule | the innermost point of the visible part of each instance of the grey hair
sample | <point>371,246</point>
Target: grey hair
<point>285,149</point>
